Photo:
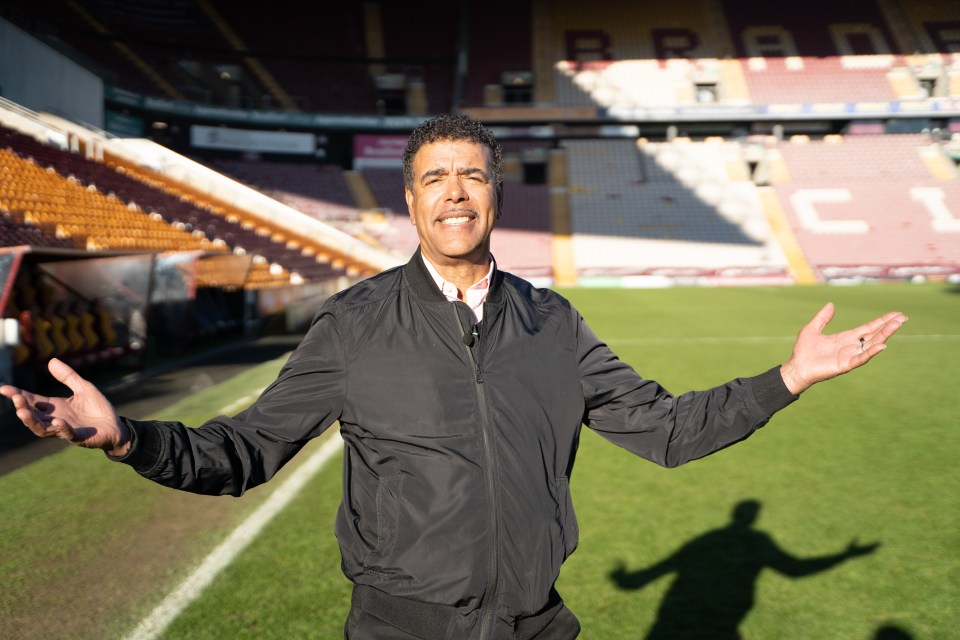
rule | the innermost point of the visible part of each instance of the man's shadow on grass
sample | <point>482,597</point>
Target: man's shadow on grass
<point>717,574</point>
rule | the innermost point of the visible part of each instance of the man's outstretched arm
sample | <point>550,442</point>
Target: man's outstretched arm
<point>85,419</point>
<point>817,356</point>
<point>225,455</point>
<point>643,417</point>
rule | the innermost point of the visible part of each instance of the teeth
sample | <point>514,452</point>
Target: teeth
<point>459,220</point>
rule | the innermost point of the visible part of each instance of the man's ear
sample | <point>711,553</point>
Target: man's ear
<point>499,201</point>
<point>408,194</point>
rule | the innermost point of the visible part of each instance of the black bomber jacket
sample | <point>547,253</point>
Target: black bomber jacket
<point>457,456</point>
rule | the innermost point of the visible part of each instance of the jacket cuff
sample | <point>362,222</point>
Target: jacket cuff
<point>145,447</point>
<point>771,392</point>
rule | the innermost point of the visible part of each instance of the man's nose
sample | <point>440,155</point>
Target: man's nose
<point>455,190</point>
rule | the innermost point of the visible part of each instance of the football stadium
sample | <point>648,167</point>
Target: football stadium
<point>184,183</point>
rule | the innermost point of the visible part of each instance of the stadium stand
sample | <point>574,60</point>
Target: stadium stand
<point>647,208</point>
<point>62,26</point>
<point>391,226</point>
<point>13,233</point>
<point>432,42</point>
<point>135,41</point>
<point>523,241</point>
<point>219,53</point>
<point>609,115</point>
<point>61,205</point>
<point>792,55</point>
<point>199,224</point>
<point>807,79</point>
<point>627,56</point>
<point>666,205</point>
<point>496,64</point>
<point>67,209</point>
<point>387,187</point>
<point>307,55</point>
<point>319,190</point>
<point>872,205</point>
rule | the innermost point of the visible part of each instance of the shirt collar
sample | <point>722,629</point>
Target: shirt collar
<point>475,296</point>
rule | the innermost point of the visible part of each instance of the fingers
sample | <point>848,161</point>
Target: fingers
<point>65,374</point>
<point>64,431</point>
<point>886,319</point>
<point>874,340</point>
<point>37,414</point>
<point>822,318</point>
<point>34,413</point>
<point>890,327</point>
<point>866,355</point>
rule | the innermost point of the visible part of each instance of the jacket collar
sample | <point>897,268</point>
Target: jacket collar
<point>423,286</point>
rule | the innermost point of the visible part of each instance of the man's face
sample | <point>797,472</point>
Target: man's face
<point>454,202</point>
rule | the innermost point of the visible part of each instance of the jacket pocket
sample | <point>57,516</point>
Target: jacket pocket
<point>568,519</point>
<point>389,495</point>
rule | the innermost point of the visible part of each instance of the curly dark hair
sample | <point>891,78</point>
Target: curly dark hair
<point>455,127</point>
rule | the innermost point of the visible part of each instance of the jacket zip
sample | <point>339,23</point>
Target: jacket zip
<point>487,610</point>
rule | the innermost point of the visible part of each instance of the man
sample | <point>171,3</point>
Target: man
<point>460,391</point>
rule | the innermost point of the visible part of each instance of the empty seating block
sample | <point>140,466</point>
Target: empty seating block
<point>820,80</point>
<point>153,217</point>
<point>318,62</point>
<point>318,190</point>
<point>66,209</point>
<point>625,55</point>
<point>870,201</point>
<point>665,206</point>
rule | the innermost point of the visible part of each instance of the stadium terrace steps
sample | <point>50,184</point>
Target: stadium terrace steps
<point>310,57</point>
<point>625,84</point>
<point>871,201</point>
<point>174,216</point>
<point>509,51</point>
<point>820,80</point>
<point>319,190</point>
<point>522,242</point>
<point>857,157</point>
<point>266,79</point>
<point>628,56</point>
<point>665,205</point>
<point>66,209</point>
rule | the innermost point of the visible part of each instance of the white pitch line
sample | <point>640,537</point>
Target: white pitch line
<point>241,403</point>
<point>702,340</point>
<point>188,590</point>
<point>760,339</point>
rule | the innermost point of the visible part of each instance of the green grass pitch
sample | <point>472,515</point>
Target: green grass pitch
<point>87,549</point>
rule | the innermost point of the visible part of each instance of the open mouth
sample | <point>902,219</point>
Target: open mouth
<point>457,220</point>
<point>454,218</point>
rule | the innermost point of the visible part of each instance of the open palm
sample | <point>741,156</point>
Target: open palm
<point>86,418</point>
<point>818,356</point>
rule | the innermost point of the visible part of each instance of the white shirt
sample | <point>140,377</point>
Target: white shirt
<point>474,297</point>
